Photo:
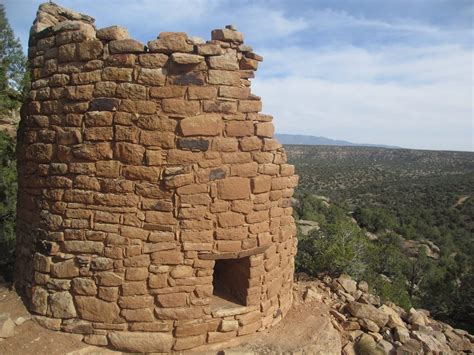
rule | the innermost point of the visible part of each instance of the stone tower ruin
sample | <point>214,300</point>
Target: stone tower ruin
<point>154,206</point>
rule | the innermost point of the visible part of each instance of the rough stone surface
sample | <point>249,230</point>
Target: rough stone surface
<point>367,311</point>
<point>7,326</point>
<point>62,305</point>
<point>141,342</point>
<point>148,178</point>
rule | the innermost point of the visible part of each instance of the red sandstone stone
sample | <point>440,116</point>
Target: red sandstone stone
<point>144,194</point>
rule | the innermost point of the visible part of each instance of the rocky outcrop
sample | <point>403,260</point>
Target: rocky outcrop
<point>306,227</point>
<point>152,195</point>
<point>369,327</point>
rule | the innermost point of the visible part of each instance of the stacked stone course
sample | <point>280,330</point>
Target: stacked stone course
<point>140,170</point>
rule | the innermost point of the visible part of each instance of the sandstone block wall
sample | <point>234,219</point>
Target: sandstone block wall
<point>154,206</point>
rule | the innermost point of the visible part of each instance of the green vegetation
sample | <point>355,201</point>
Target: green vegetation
<point>8,190</point>
<point>13,88</point>
<point>13,70</point>
<point>389,213</point>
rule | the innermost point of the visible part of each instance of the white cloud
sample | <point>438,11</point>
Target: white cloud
<point>262,23</point>
<point>329,18</point>
<point>410,97</point>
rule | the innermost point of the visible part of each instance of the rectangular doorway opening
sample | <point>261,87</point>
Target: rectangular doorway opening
<point>231,281</point>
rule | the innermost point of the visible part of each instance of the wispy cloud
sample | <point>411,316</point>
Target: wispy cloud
<point>329,18</point>
<point>412,97</point>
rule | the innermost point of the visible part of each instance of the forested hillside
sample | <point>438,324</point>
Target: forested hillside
<point>402,219</point>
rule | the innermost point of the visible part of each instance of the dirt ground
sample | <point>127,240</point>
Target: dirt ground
<point>306,328</point>
<point>31,338</point>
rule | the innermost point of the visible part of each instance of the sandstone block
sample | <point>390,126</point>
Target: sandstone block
<point>228,325</point>
<point>109,294</point>
<point>181,107</point>
<point>239,128</point>
<point>108,278</point>
<point>108,168</point>
<point>131,91</point>
<point>94,309</point>
<point>250,144</point>
<point>39,300</point>
<point>156,77</point>
<point>138,106</point>
<point>219,106</point>
<point>67,53</point>
<point>89,50</point>
<point>98,119</point>
<point>138,315</point>
<point>223,77</point>
<point>134,288</point>
<point>141,342</point>
<point>143,173</point>
<point>202,92</point>
<point>167,257</point>
<point>62,305</point>
<point>189,342</point>
<point>181,271</point>
<point>39,152</point>
<point>234,92</point>
<point>79,246</point>
<point>153,60</point>
<point>169,42</point>
<point>204,125</point>
<point>95,339</point>
<point>42,263</point>
<point>209,49</point>
<point>230,219</point>
<point>136,302</point>
<point>217,337</point>
<point>161,280</point>
<point>167,92</point>
<point>234,188</point>
<point>84,286</point>
<point>248,64</point>
<point>129,153</point>
<point>227,35</point>
<point>265,129</point>
<point>99,134</point>
<point>185,58</point>
<point>224,62</point>
<point>172,300</point>
<point>112,33</point>
<point>126,46</point>
<point>247,106</point>
<point>65,269</point>
<point>136,274</point>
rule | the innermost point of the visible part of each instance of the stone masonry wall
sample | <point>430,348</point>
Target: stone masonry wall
<point>139,167</point>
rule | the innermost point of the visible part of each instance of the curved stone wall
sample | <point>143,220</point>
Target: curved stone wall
<point>154,206</point>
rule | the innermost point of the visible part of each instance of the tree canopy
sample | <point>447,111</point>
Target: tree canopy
<point>13,68</point>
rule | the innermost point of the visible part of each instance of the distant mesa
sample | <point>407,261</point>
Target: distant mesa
<point>313,140</point>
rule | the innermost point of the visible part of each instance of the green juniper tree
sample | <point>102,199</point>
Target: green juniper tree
<point>8,189</point>
<point>13,69</point>
<point>13,88</point>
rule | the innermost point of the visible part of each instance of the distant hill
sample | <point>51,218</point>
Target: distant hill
<point>313,140</point>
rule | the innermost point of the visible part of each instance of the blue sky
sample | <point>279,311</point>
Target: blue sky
<point>372,71</point>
